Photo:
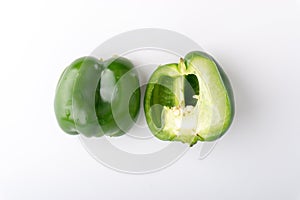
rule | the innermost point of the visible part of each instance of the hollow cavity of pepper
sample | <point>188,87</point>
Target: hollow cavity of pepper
<point>177,98</point>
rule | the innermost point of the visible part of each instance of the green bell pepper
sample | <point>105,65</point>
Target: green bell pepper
<point>190,101</point>
<point>87,91</point>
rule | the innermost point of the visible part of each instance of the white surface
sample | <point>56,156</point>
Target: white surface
<point>256,42</point>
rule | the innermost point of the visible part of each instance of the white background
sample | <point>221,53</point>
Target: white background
<point>258,45</point>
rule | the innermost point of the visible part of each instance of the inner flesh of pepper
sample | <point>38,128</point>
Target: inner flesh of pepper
<point>182,118</point>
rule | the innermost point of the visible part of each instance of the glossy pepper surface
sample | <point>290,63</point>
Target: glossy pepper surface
<point>96,98</point>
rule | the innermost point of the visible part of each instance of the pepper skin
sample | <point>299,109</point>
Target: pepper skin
<point>190,101</point>
<point>85,93</point>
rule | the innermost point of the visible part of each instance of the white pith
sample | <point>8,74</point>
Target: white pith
<point>180,120</point>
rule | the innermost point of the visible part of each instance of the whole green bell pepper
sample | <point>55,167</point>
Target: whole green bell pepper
<point>87,91</point>
<point>190,101</point>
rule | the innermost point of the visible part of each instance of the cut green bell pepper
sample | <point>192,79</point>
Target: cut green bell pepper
<point>190,101</point>
<point>86,91</point>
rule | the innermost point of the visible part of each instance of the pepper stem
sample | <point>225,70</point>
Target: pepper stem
<point>181,66</point>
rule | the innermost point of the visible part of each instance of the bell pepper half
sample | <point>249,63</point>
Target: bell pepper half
<point>190,101</point>
<point>87,91</point>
